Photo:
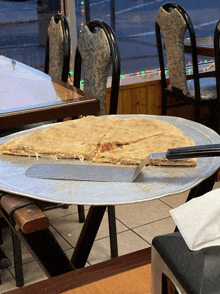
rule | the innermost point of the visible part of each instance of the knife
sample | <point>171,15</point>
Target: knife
<point>105,173</point>
<point>178,153</point>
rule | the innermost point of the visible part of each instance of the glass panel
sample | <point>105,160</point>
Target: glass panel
<point>135,26</point>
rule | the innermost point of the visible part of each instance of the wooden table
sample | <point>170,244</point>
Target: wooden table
<point>29,96</point>
<point>130,272</point>
<point>205,46</point>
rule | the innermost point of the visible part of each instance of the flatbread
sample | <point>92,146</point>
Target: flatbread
<point>70,139</point>
<point>137,128</point>
<point>103,139</point>
<point>138,151</point>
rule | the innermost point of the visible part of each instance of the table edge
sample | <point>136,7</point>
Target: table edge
<point>88,274</point>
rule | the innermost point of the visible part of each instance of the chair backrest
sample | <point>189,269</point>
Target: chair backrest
<point>174,22</point>
<point>97,50</point>
<point>57,57</point>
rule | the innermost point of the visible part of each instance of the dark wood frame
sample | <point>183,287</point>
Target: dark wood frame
<point>88,274</point>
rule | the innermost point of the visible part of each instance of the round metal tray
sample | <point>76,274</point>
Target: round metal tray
<point>154,182</point>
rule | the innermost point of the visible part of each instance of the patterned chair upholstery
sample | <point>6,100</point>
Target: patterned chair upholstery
<point>97,51</point>
<point>174,22</point>
<point>58,48</point>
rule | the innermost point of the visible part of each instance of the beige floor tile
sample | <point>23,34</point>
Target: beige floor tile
<point>217,185</point>
<point>8,281</point>
<point>70,228</point>
<point>175,200</point>
<point>63,243</point>
<point>100,251</point>
<point>127,242</point>
<point>8,248</point>
<point>32,273</point>
<point>60,212</point>
<point>134,215</point>
<point>149,231</point>
<point>104,228</point>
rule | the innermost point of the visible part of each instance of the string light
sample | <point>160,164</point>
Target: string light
<point>83,15</point>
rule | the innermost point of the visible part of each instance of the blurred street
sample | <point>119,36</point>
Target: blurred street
<point>134,29</point>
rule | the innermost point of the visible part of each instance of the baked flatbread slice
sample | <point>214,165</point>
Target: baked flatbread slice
<point>137,128</point>
<point>70,139</point>
<point>136,152</point>
<point>102,139</point>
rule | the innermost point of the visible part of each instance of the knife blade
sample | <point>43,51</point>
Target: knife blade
<point>182,152</point>
<point>115,173</point>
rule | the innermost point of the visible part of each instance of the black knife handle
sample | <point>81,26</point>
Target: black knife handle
<point>211,150</point>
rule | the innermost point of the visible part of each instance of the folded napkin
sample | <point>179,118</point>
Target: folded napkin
<point>199,220</point>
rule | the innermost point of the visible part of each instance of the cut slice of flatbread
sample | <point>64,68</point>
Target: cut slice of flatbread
<point>137,128</point>
<point>137,152</point>
<point>70,139</point>
<point>102,139</point>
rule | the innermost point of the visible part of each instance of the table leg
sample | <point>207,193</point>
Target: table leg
<point>87,236</point>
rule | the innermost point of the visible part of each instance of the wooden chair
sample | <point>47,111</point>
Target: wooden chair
<point>97,51</point>
<point>57,57</point>
<point>28,223</point>
<point>200,91</point>
<point>175,267</point>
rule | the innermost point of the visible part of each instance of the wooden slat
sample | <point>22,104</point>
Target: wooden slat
<point>29,219</point>
<point>127,102</point>
<point>138,98</point>
<point>120,104</point>
<point>90,274</point>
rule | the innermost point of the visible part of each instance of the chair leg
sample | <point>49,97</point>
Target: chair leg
<point>197,115</point>
<point>112,231</point>
<point>81,213</point>
<point>17,260</point>
<point>164,103</point>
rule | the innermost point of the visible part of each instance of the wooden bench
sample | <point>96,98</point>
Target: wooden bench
<point>29,224</point>
<point>27,216</point>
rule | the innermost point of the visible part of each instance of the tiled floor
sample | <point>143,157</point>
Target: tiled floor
<point>137,224</point>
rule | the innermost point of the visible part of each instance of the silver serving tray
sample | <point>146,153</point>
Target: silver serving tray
<point>153,183</point>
